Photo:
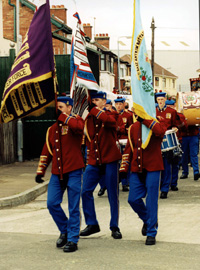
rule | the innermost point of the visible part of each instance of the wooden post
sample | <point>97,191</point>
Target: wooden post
<point>152,49</point>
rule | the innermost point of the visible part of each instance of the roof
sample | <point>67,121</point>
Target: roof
<point>103,48</point>
<point>161,71</point>
<point>158,70</point>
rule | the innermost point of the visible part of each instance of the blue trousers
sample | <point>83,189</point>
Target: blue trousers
<point>165,175</point>
<point>70,225</point>
<point>91,178</point>
<point>148,212</point>
<point>190,146</point>
<point>174,178</point>
<point>102,182</point>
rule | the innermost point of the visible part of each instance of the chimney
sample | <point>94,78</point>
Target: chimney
<point>103,39</point>
<point>59,12</point>
<point>87,30</point>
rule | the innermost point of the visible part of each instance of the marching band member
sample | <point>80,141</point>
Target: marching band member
<point>127,120</point>
<point>170,117</point>
<point>103,157</point>
<point>177,153</point>
<point>63,148</point>
<point>190,146</point>
<point>145,166</point>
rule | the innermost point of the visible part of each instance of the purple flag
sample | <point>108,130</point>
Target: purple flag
<point>30,85</point>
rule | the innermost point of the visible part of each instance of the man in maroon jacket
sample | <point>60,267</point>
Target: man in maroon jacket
<point>63,148</point>
<point>145,166</point>
<point>103,157</point>
<point>171,119</point>
<point>127,118</point>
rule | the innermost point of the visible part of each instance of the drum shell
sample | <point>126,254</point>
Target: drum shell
<point>170,141</point>
<point>189,104</point>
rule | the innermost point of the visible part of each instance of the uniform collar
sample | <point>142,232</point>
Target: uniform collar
<point>121,111</point>
<point>163,109</point>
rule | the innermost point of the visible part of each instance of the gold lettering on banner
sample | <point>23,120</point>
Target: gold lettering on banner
<point>136,53</point>
<point>23,99</point>
<point>5,115</point>
<point>26,47</point>
<point>26,38</point>
<point>24,72</point>
<point>22,58</point>
<point>31,96</point>
<point>39,93</point>
<point>15,103</point>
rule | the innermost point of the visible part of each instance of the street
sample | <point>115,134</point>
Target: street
<point>28,235</point>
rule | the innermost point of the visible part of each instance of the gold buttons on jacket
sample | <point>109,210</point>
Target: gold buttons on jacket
<point>56,140</point>
<point>57,150</point>
<point>96,150</point>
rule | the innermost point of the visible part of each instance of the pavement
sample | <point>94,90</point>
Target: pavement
<point>28,233</point>
<point>17,183</point>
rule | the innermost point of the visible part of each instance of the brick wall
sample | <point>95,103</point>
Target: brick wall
<point>25,17</point>
<point>103,39</point>
<point>88,30</point>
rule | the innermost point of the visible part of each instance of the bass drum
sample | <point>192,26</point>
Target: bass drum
<point>189,104</point>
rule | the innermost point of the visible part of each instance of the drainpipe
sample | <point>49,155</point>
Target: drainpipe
<point>15,34</point>
<point>19,121</point>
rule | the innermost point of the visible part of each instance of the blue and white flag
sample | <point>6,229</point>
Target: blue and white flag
<point>141,76</point>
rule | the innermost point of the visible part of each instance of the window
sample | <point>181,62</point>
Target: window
<point>107,63</point>
<point>103,62</point>
<point>173,83</point>
<point>112,65</point>
<point>156,81</point>
<point>164,82</point>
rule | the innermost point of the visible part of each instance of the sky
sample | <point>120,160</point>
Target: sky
<point>176,21</point>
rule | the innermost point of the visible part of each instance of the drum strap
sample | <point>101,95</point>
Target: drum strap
<point>129,138</point>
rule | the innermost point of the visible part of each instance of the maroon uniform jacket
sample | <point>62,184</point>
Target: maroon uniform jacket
<point>190,131</point>
<point>149,158</point>
<point>63,146</point>
<point>101,131</point>
<point>127,118</point>
<point>182,126</point>
<point>169,115</point>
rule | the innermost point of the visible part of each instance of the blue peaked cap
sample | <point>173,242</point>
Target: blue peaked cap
<point>66,100</point>
<point>120,100</point>
<point>98,94</point>
<point>160,94</point>
<point>170,102</point>
<point>108,101</point>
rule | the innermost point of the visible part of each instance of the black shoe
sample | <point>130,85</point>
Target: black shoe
<point>163,195</point>
<point>150,241</point>
<point>70,247</point>
<point>174,188</point>
<point>144,229</point>
<point>62,240</point>
<point>183,176</point>
<point>116,234</point>
<point>90,229</point>
<point>196,176</point>
<point>101,191</point>
<point>125,188</point>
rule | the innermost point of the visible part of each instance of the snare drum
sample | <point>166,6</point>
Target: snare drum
<point>170,141</point>
<point>189,104</point>
<point>122,143</point>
